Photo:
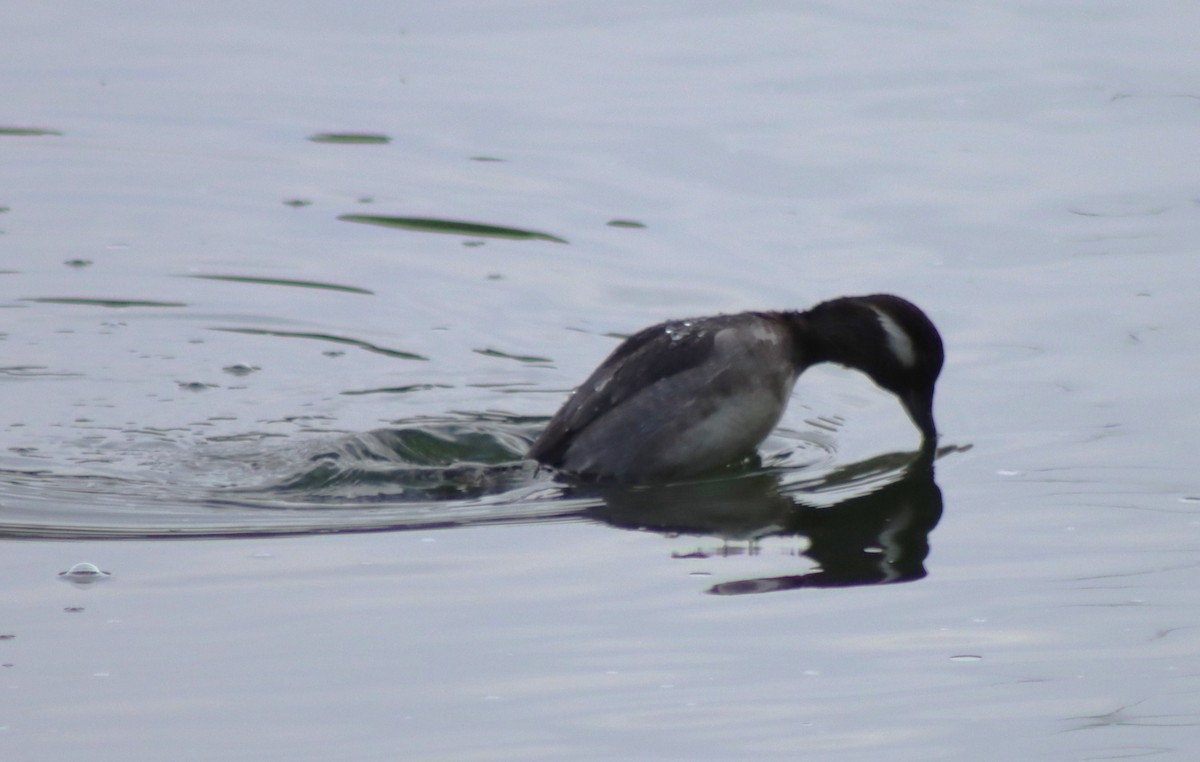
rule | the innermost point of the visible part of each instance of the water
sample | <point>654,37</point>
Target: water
<point>284,294</point>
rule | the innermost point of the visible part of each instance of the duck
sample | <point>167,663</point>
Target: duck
<point>686,397</point>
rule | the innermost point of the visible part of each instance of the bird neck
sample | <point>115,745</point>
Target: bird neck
<point>840,331</point>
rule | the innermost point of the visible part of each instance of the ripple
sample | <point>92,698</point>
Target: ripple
<point>398,353</point>
<point>459,469</point>
<point>1117,206</point>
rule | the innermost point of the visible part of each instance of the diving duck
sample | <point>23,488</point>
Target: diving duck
<point>685,397</point>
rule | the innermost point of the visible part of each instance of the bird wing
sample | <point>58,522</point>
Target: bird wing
<point>648,356</point>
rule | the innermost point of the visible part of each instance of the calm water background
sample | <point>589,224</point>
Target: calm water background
<point>193,344</point>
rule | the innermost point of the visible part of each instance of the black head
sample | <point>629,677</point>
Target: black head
<point>888,338</point>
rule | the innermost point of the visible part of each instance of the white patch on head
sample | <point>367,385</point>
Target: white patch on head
<point>898,341</point>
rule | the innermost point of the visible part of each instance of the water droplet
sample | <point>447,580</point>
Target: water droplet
<point>966,657</point>
<point>84,574</point>
<point>1190,499</point>
<point>1007,472</point>
<point>240,369</point>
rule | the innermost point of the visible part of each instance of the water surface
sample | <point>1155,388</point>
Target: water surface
<point>285,293</point>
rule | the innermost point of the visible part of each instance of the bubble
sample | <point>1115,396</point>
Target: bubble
<point>84,573</point>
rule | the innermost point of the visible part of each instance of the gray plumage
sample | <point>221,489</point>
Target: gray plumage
<point>688,396</point>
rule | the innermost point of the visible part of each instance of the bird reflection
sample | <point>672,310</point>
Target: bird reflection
<point>875,537</point>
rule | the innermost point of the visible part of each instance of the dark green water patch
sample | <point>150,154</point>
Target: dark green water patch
<point>350,138</point>
<point>451,227</point>
<point>87,301</point>
<point>33,371</point>
<point>285,282</point>
<point>507,356</point>
<point>420,460</point>
<point>399,389</point>
<point>26,132</point>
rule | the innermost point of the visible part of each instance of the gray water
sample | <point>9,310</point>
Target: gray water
<point>285,291</point>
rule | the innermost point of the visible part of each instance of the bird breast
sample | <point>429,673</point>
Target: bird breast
<point>700,418</point>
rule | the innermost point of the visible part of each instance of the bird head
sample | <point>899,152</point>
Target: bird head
<point>886,337</point>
